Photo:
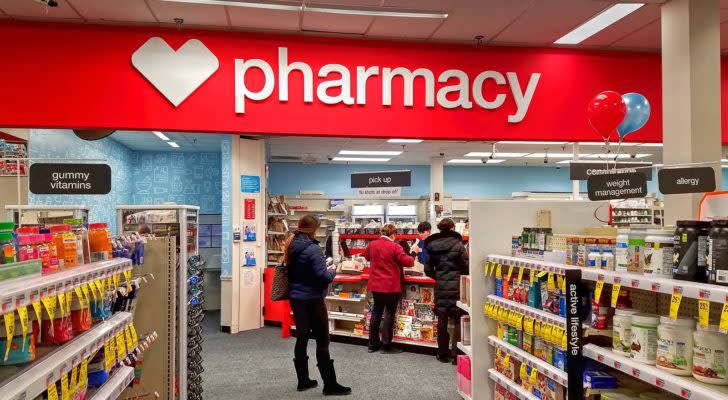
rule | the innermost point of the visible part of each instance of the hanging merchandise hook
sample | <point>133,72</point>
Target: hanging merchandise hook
<point>179,22</point>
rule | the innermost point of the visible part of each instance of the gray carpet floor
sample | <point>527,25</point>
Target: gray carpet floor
<point>257,365</point>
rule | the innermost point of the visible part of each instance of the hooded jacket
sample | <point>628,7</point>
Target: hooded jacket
<point>447,261</point>
<point>386,260</point>
<point>308,277</point>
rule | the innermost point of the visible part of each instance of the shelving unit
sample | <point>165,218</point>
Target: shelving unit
<point>464,307</point>
<point>112,389</point>
<point>511,386</point>
<point>541,366</point>
<point>463,395</point>
<point>467,349</point>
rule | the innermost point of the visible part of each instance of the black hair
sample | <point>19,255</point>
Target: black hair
<point>424,227</point>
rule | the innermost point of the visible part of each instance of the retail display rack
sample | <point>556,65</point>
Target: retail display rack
<point>644,211</point>
<point>46,214</point>
<point>180,222</point>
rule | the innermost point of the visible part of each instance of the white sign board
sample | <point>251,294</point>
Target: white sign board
<point>379,192</point>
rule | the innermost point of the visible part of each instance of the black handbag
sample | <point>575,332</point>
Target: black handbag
<point>279,287</point>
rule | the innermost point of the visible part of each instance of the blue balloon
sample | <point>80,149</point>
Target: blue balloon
<point>638,112</point>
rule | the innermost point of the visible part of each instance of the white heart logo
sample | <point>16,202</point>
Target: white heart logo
<point>176,74</point>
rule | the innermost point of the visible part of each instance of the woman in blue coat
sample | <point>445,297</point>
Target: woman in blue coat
<point>309,280</point>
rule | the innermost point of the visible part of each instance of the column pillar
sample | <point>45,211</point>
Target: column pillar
<point>690,92</point>
<point>437,185</point>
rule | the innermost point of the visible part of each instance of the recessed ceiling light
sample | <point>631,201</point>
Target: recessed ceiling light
<point>599,22</point>
<point>528,142</point>
<point>564,162</point>
<point>246,4</point>
<point>489,161</point>
<point>621,156</point>
<point>550,155</point>
<point>464,161</point>
<point>161,135</point>
<point>361,159</point>
<point>369,153</point>
<point>657,165</point>
<point>404,140</point>
<point>497,154</point>
<point>650,144</point>
<point>173,144</point>
<point>603,144</point>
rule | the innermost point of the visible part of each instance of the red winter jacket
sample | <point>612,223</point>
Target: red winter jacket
<point>386,260</point>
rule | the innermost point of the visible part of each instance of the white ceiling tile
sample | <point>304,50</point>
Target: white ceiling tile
<point>113,10</point>
<point>649,37</point>
<point>252,18</point>
<point>465,20</point>
<point>413,28</point>
<point>547,20</point>
<point>193,14</point>
<point>32,9</point>
<point>321,22</point>
<point>644,16</point>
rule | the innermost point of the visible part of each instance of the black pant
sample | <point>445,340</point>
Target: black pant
<point>312,321</point>
<point>384,303</point>
<point>443,337</point>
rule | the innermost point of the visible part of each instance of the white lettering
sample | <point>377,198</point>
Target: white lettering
<point>409,78</point>
<point>284,69</point>
<point>462,87</point>
<point>688,181</point>
<point>478,90</point>
<point>344,83</point>
<point>362,75</point>
<point>523,99</point>
<point>242,92</point>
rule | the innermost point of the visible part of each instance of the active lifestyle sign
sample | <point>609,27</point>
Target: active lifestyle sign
<point>616,186</point>
<point>51,178</point>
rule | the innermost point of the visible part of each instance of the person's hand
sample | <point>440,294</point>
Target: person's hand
<point>416,249</point>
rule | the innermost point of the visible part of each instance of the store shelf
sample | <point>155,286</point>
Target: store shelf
<point>24,291</point>
<point>33,380</point>
<point>528,311</point>
<point>538,265</point>
<point>270,214</point>
<point>272,233</point>
<point>467,349</point>
<point>348,278</point>
<point>464,307</point>
<point>693,290</point>
<point>112,389</point>
<point>418,279</point>
<point>511,386</point>
<point>685,387</point>
<point>352,299</point>
<point>339,332</point>
<point>463,395</point>
<point>342,278</point>
<point>541,366</point>
<point>338,317</point>
<point>356,251</point>
<point>376,236</point>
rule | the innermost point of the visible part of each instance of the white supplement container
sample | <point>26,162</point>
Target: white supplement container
<point>710,355</point>
<point>644,338</point>
<point>657,256</point>
<point>675,345</point>
<point>622,331</point>
<point>636,246</point>
<point>594,259</point>
<point>622,247</point>
<point>607,260</point>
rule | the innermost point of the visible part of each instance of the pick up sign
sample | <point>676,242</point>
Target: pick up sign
<point>381,179</point>
<point>686,180</point>
<point>616,186</point>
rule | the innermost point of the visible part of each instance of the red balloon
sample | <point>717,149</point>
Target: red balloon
<point>606,111</point>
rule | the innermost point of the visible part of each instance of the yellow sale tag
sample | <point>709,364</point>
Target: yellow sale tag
<point>74,382</point>
<point>724,318</point>
<point>550,282</point>
<point>531,276</point>
<point>109,285</point>
<point>520,274</point>
<point>62,304</point>
<point>85,291</point>
<point>69,301</point>
<point>83,375</point>
<point>52,391</point>
<point>598,291</point>
<point>561,281</point>
<point>64,387</point>
<point>108,355</point>
<point>528,325</point>
<point>120,346</point>
<point>38,315</point>
<point>523,374</point>
<point>23,314</point>
<point>9,331</point>
<point>486,270</point>
<point>675,304</point>
<point>499,330</point>
<point>93,285</point>
<point>79,295</point>
<point>507,360</point>
<point>615,293</point>
<point>564,340</point>
<point>537,328</point>
<point>129,341</point>
<point>117,279</point>
<point>50,306</point>
<point>127,278</point>
<point>703,312</point>
<point>510,273</point>
<point>499,271</point>
<point>534,376</point>
<point>519,320</point>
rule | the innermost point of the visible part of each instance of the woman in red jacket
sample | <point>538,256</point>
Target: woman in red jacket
<point>386,260</point>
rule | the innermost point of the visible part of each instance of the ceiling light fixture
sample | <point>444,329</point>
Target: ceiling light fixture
<point>404,140</point>
<point>599,22</point>
<point>369,153</point>
<point>604,144</point>
<point>550,155</point>
<point>528,142</point>
<point>361,159</point>
<point>494,161</point>
<point>324,9</point>
<point>497,154</point>
<point>649,144</point>
<point>173,144</point>
<point>161,135</point>
<point>464,161</point>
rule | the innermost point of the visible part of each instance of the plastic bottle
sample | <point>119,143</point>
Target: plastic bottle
<point>8,245</point>
<point>99,242</point>
<point>608,260</point>
<point>44,253</point>
<point>622,248</point>
<point>594,259</point>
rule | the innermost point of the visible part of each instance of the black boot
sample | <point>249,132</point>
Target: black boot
<point>328,374</point>
<point>304,383</point>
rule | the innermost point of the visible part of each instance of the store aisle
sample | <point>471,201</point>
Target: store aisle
<point>257,365</point>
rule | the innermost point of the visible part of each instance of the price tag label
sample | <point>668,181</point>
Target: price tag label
<point>83,375</point>
<point>534,376</point>
<point>520,274</point>
<point>127,278</point>
<point>127,337</point>
<point>62,304</point>
<point>523,373</point>
<point>69,301</point>
<point>23,314</point>
<point>79,295</point>
<point>507,360</point>
<point>65,395</point>
<point>550,282</point>
<point>561,281</point>
<point>52,391</point>
<point>675,301</point>
<point>9,331</point>
<point>499,271</point>
<point>120,346</point>
<point>531,276</point>
<point>724,318</point>
<point>510,272</point>
<point>615,293</point>
<point>486,269</point>
<point>528,325</point>
<point>74,382</point>
<point>117,279</point>
<point>598,290</point>
<point>109,357</point>
<point>703,312</point>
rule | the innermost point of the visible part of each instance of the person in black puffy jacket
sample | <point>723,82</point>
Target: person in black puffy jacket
<point>447,261</point>
<point>308,282</point>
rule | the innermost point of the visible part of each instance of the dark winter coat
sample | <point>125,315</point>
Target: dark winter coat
<point>308,277</point>
<point>447,260</point>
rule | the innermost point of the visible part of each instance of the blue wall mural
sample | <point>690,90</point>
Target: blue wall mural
<point>179,177</point>
<point>55,143</point>
<point>226,154</point>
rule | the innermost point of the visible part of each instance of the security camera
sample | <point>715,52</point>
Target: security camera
<point>492,156</point>
<point>633,156</point>
<point>49,3</point>
<point>485,160</point>
<point>442,154</point>
<point>558,166</point>
<point>330,158</point>
<point>546,159</point>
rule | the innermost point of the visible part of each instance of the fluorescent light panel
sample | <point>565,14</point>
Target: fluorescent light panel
<point>650,144</point>
<point>161,135</point>
<point>497,154</point>
<point>404,140</point>
<point>246,4</point>
<point>527,142</point>
<point>369,153</point>
<point>361,159</point>
<point>621,156</point>
<point>612,144</point>
<point>173,144</point>
<point>494,161</point>
<point>473,161</point>
<point>599,22</point>
<point>550,155</point>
